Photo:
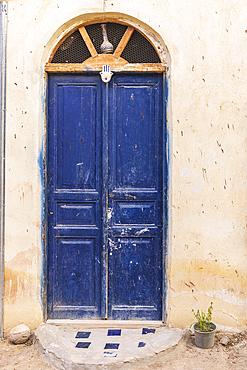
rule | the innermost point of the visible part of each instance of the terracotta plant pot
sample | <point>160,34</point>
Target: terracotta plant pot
<point>205,339</point>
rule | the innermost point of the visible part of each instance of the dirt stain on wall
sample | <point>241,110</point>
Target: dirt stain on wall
<point>22,274</point>
<point>22,290</point>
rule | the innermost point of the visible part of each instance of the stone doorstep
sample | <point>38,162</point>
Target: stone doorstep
<point>78,347</point>
<point>98,324</point>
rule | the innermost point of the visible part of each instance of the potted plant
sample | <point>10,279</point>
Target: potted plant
<point>204,329</point>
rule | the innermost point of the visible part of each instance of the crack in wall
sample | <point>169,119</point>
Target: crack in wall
<point>228,314</point>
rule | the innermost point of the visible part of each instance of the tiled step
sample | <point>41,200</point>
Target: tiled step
<point>72,347</point>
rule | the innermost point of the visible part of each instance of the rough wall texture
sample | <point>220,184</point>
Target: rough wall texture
<point>207,252</point>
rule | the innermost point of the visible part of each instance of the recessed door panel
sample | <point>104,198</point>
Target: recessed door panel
<point>135,212</point>
<point>76,136</point>
<point>75,281</point>
<point>134,133</point>
<point>132,267</point>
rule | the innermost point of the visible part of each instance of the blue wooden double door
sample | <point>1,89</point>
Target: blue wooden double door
<point>105,196</point>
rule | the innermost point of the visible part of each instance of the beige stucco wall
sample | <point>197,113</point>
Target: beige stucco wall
<point>207,247</point>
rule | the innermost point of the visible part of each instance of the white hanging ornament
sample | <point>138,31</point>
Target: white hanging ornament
<point>106,74</point>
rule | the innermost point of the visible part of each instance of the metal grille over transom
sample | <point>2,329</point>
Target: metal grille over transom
<point>76,47</point>
<point>72,50</point>
<point>139,50</point>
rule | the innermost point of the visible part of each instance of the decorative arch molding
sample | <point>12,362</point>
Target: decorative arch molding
<point>117,64</point>
<point>93,60</point>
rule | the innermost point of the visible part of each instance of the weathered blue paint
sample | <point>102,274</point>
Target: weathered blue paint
<point>42,172</point>
<point>74,184</point>
<point>135,197</point>
<point>105,176</point>
<point>105,196</point>
<point>41,165</point>
<point>166,160</point>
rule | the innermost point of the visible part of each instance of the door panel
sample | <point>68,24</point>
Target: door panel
<point>133,273</point>
<point>135,197</point>
<point>74,196</point>
<point>76,137</point>
<point>133,135</point>
<point>125,209</point>
<point>75,280</point>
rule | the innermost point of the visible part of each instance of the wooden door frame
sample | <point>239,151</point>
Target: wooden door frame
<point>80,68</point>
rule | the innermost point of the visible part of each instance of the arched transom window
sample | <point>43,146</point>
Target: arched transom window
<point>121,46</point>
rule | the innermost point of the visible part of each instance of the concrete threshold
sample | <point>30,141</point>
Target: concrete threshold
<point>106,345</point>
<point>97,324</point>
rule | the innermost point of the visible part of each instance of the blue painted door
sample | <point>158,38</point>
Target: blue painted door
<point>105,197</point>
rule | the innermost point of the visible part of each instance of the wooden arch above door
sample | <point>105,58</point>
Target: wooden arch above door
<point>79,50</point>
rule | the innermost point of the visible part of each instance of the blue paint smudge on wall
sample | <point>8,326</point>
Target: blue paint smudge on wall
<point>41,166</point>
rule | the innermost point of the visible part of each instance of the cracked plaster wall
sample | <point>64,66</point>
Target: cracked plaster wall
<point>207,252</point>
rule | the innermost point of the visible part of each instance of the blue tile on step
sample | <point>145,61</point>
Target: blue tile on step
<point>83,334</point>
<point>147,331</point>
<point>141,344</point>
<point>114,332</point>
<point>111,346</point>
<point>110,354</point>
<point>83,344</point>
